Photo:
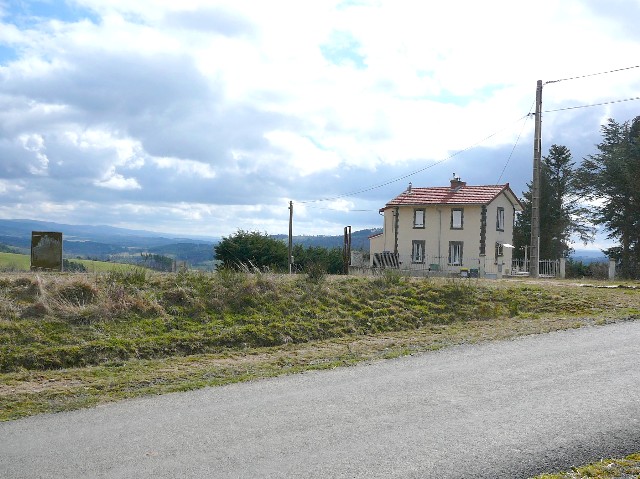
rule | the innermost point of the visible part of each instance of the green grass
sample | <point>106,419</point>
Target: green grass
<point>14,262</point>
<point>627,468</point>
<point>22,262</point>
<point>69,341</point>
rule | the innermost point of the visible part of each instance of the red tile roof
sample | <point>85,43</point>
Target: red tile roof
<point>444,195</point>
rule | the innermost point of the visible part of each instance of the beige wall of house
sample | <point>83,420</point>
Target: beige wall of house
<point>376,244</point>
<point>437,233</point>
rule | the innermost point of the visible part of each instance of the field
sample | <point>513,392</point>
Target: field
<point>22,262</point>
<point>14,262</point>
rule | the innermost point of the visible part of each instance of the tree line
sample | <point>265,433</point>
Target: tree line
<point>256,250</point>
<point>602,191</point>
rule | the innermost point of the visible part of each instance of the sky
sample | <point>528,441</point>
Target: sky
<point>204,117</point>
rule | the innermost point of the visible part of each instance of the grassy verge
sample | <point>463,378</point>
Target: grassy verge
<point>70,341</point>
<point>626,468</point>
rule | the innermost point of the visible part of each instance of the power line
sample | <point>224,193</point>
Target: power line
<point>408,175</point>
<point>592,74</point>
<point>516,143</point>
<point>341,210</point>
<point>595,104</point>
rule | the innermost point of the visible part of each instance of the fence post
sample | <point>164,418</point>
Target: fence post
<point>612,269</point>
<point>563,268</point>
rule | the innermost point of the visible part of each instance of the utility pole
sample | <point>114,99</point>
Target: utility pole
<point>290,237</point>
<point>534,259</point>
<point>346,250</point>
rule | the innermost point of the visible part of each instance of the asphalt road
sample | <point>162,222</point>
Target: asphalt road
<point>505,409</point>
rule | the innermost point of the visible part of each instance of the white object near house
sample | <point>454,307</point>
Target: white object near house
<point>457,228</point>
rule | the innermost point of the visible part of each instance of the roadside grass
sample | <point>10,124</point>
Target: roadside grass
<point>71,341</point>
<point>626,468</point>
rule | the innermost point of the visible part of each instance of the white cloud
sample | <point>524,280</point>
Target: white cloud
<point>116,181</point>
<point>185,167</point>
<point>34,143</point>
<point>9,188</point>
<point>210,113</point>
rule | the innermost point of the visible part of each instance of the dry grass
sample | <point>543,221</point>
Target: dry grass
<point>70,341</point>
<point>626,468</point>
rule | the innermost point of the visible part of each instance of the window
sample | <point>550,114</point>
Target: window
<point>418,218</point>
<point>457,218</point>
<point>500,219</point>
<point>417,251</point>
<point>455,253</point>
<point>499,250</point>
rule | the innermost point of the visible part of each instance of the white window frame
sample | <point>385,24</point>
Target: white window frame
<point>455,225</point>
<point>500,219</point>
<point>456,250</point>
<point>416,213</point>
<point>417,251</point>
<point>499,251</point>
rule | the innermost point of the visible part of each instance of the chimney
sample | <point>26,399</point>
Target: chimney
<point>409,189</point>
<point>457,183</point>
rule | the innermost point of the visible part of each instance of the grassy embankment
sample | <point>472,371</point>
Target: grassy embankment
<point>70,341</point>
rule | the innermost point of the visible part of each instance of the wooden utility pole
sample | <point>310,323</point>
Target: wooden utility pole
<point>534,259</point>
<point>346,249</point>
<point>290,237</point>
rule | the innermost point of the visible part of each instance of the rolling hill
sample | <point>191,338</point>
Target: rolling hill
<point>121,244</point>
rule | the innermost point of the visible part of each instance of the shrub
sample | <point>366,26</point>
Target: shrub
<point>316,273</point>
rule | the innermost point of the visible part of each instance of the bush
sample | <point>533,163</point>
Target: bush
<point>258,250</point>
<point>316,273</point>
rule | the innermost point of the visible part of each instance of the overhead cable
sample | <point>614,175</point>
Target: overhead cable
<point>408,175</point>
<point>592,74</point>
<point>594,104</point>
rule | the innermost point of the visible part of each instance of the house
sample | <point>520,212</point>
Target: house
<point>457,228</point>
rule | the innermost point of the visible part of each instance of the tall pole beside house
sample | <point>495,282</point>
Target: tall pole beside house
<point>534,259</point>
<point>346,250</point>
<point>290,237</point>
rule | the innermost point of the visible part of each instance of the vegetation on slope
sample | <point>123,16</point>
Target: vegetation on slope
<point>68,341</point>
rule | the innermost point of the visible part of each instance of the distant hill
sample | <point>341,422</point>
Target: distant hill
<point>588,256</point>
<point>359,239</point>
<point>108,242</point>
<point>116,244</point>
<point>21,230</point>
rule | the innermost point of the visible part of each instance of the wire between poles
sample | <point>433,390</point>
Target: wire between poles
<point>408,175</point>
<point>592,74</point>
<point>595,104</point>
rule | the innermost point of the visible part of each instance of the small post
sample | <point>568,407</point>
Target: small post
<point>563,268</point>
<point>612,269</point>
<point>290,237</point>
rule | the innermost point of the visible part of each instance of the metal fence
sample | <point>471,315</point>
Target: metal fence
<point>440,266</point>
<point>437,266</point>
<point>547,268</point>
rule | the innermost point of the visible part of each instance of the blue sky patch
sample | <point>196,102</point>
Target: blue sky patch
<point>7,54</point>
<point>24,14</point>
<point>342,48</point>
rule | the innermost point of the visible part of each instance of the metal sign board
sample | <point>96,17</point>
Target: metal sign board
<point>46,250</point>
